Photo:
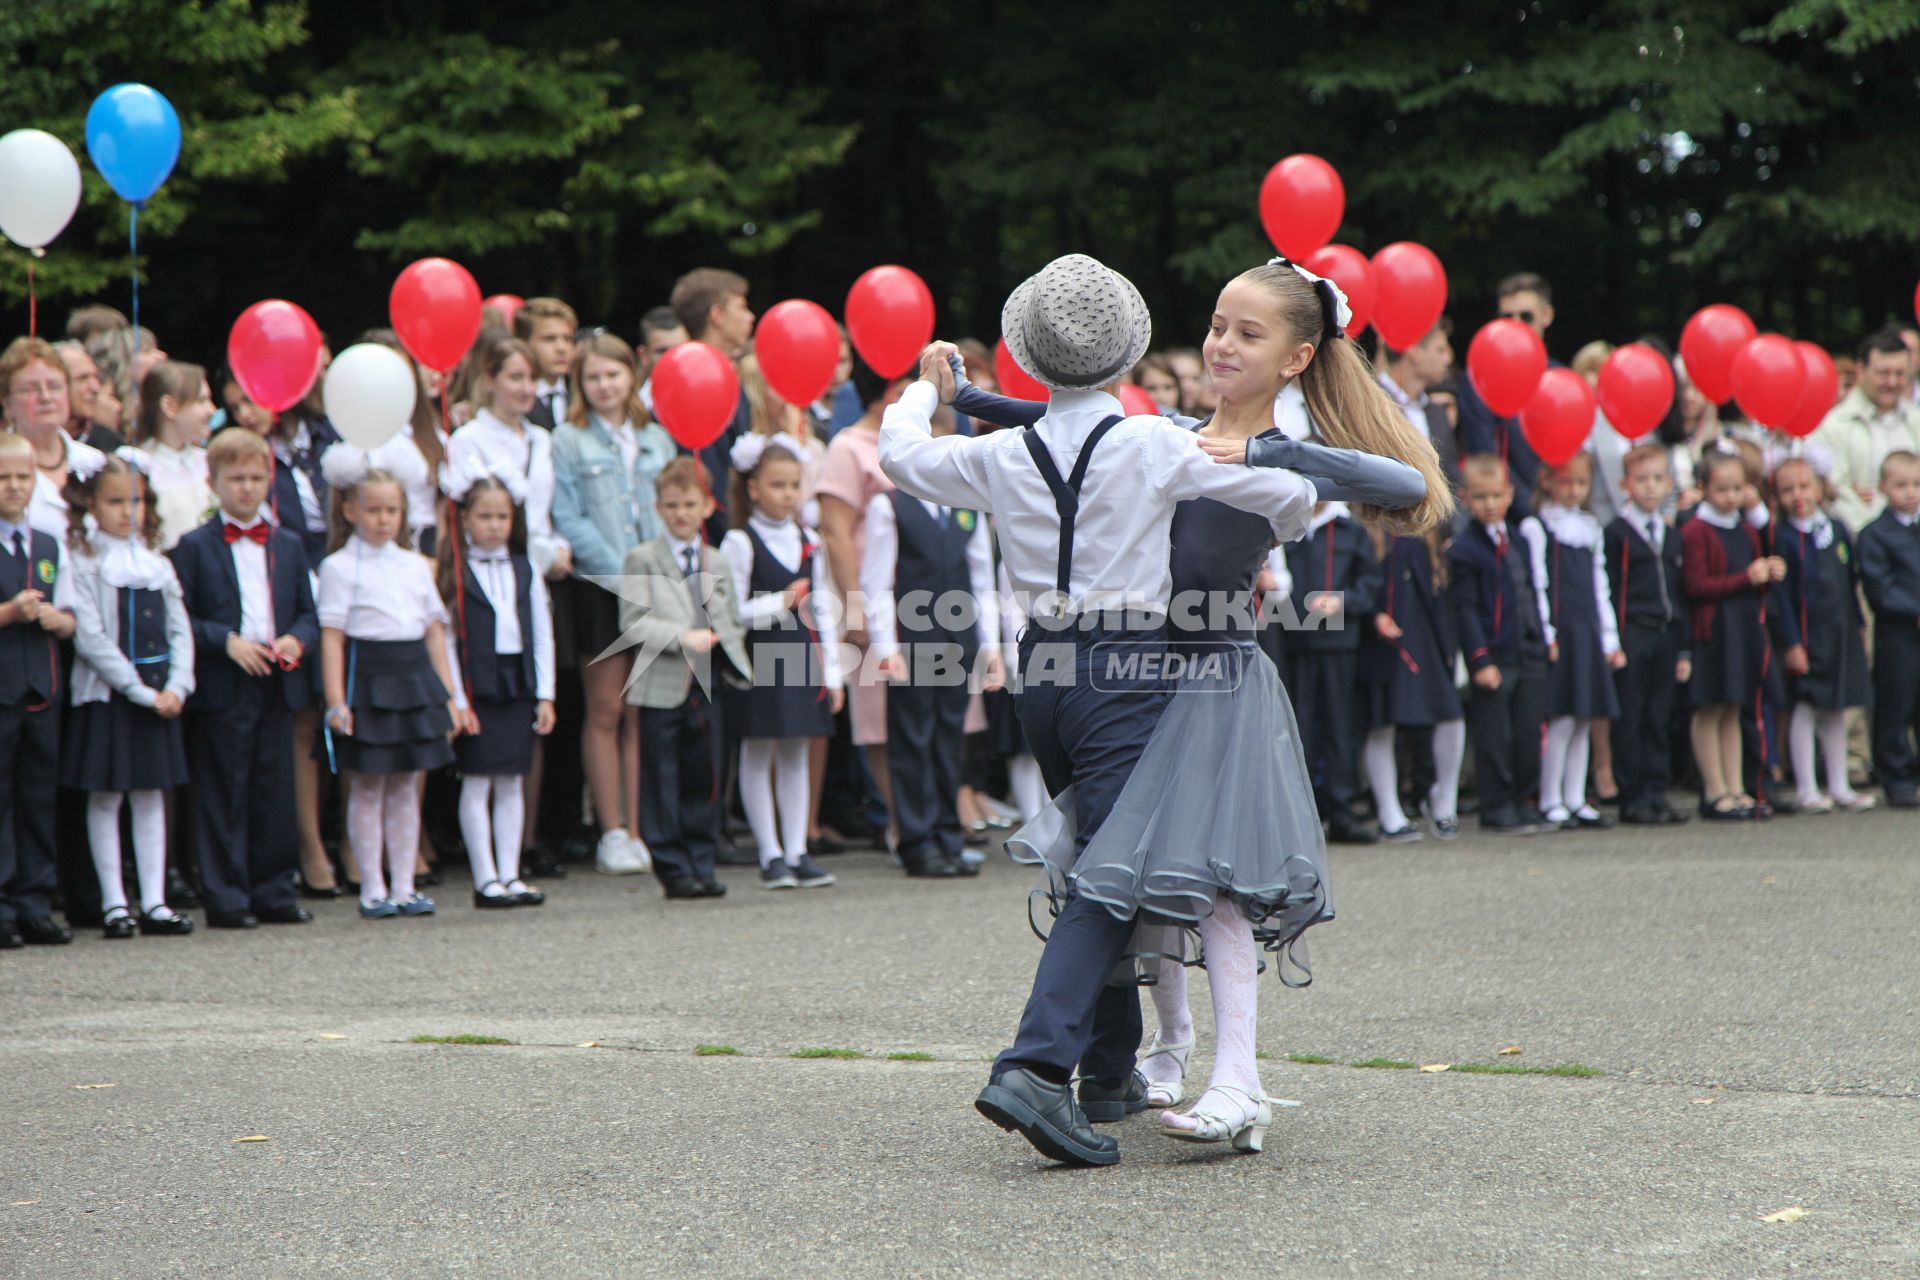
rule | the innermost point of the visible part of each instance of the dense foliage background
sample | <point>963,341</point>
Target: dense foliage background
<point>1647,155</point>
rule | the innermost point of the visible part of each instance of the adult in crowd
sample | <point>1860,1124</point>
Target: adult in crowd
<point>606,456</point>
<point>1877,417</point>
<point>711,305</point>
<point>95,410</point>
<point>1408,376</point>
<point>1527,297</point>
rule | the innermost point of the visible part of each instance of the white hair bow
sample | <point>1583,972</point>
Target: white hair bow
<point>345,465</point>
<point>84,461</point>
<point>458,482</point>
<point>1342,313</point>
<point>750,448</point>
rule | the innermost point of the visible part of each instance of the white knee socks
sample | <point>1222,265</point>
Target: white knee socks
<point>1831,728</point>
<point>1169,992</point>
<point>492,832</point>
<point>1563,767</point>
<point>1383,775</point>
<point>149,846</point>
<point>1449,749</point>
<point>770,767</point>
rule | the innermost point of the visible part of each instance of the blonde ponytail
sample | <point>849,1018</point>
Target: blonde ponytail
<point>1350,410</point>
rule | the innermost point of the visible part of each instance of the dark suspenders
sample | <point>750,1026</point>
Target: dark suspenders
<point>1066,493</point>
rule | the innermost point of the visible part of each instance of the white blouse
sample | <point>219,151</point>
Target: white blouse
<point>487,443</point>
<point>1575,529</point>
<point>181,492</point>
<point>47,509</point>
<point>783,540</point>
<point>494,572</point>
<point>378,593</point>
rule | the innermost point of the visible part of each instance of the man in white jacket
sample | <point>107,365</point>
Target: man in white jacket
<point>1877,417</point>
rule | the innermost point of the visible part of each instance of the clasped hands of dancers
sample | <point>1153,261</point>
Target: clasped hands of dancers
<point>1171,810</point>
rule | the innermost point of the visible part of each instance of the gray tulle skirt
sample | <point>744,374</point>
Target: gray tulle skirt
<point>1220,803</point>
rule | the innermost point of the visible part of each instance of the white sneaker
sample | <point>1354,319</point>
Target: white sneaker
<point>642,856</point>
<point>617,855</point>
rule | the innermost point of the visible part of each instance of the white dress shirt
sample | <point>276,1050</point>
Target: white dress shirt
<point>553,394</point>
<point>628,439</point>
<point>1290,412</point>
<point>181,492</point>
<point>487,443</point>
<point>1414,408</point>
<point>1140,472</point>
<point>378,593</point>
<point>493,570</point>
<point>882,556</point>
<point>783,540</point>
<point>256,588</point>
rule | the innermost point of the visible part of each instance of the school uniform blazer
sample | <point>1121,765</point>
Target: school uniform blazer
<point>210,585</point>
<point>1793,595</point>
<point>1337,556</point>
<point>1483,431</point>
<point>1705,573</point>
<point>1890,568</point>
<point>1636,590</point>
<point>1485,606</point>
<point>657,605</point>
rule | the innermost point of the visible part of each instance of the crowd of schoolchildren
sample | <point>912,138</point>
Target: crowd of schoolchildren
<point>547,633</point>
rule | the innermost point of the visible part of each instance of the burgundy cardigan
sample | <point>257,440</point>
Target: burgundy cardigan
<point>1703,571</point>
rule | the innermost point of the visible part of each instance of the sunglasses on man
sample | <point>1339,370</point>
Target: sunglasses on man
<point>1524,317</point>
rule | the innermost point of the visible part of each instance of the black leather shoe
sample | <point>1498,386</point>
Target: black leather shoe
<point>168,926</point>
<point>232,920</point>
<point>180,892</point>
<point>1669,815</point>
<point>1348,831</point>
<point>729,854</point>
<point>1640,815</point>
<point>931,867</point>
<point>1045,1115</point>
<point>284,915</point>
<point>331,891</point>
<point>10,939</point>
<point>493,901</point>
<point>712,889</point>
<point>119,924</point>
<point>683,887</point>
<point>542,865</point>
<point>45,931</point>
<point>822,846</point>
<point>1103,1104</point>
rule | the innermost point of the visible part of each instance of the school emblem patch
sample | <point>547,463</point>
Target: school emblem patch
<point>1840,549</point>
<point>966,520</point>
<point>45,570</point>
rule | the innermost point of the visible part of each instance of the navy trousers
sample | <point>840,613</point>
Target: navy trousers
<point>1088,712</point>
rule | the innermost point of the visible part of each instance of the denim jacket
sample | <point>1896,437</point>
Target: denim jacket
<point>601,510</point>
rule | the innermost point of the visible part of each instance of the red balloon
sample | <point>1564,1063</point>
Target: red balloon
<point>1301,203</point>
<point>1411,292</point>
<point>1505,361</point>
<point>435,308</point>
<point>1135,400</point>
<point>1015,381</point>
<point>1823,388</point>
<point>507,304</point>
<point>695,393</point>
<point>1709,344</point>
<point>1768,379</point>
<point>1559,417</point>
<point>1636,389</point>
<point>274,352</point>
<point>798,345</point>
<point>1348,268</point>
<point>889,319</point>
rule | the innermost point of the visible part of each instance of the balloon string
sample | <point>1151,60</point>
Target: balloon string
<point>133,254</point>
<point>33,305</point>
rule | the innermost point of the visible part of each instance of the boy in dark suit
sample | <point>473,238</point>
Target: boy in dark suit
<point>247,592</point>
<point>1497,617</point>
<point>33,616</point>
<point>1889,549</point>
<point>1337,581</point>
<point>1643,566</point>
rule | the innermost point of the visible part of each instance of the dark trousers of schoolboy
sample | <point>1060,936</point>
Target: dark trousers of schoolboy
<point>241,758</point>
<point>1505,724</point>
<point>1087,714</point>
<point>29,747</point>
<point>681,772</point>
<point>1642,757</point>
<point>1325,690</point>
<point>1896,705</point>
<point>926,746</point>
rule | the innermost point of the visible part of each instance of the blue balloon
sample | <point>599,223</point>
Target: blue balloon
<point>133,136</point>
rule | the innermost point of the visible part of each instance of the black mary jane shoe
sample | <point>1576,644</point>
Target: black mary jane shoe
<point>284,915</point>
<point>329,891</point>
<point>429,878</point>
<point>176,926</point>
<point>1710,811</point>
<point>526,895</point>
<point>484,901</point>
<point>119,924</point>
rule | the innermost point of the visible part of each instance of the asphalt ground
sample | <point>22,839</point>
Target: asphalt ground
<point>1746,994</point>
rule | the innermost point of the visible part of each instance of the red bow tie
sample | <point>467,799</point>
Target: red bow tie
<point>258,532</point>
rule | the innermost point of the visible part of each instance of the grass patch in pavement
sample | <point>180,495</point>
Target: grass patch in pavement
<point>913,1055</point>
<point>715,1051</point>
<point>1573,1070</point>
<point>1384,1064</point>
<point>1313,1060</point>
<point>826,1053</point>
<point>468,1038</point>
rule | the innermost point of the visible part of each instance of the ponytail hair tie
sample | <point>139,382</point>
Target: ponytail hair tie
<point>1335,314</point>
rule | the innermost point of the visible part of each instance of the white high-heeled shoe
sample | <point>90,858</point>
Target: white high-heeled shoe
<point>1166,1093</point>
<point>1244,1134</point>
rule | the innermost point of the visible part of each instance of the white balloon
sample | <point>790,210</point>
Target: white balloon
<point>370,391</point>
<point>39,187</point>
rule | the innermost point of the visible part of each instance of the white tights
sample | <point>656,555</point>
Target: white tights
<point>1383,773</point>
<point>1029,791</point>
<point>1169,992</point>
<point>1233,965</point>
<point>1831,726</point>
<point>493,840</point>
<point>767,766</point>
<point>149,846</point>
<point>1563,766</point>
<point>384,807</point>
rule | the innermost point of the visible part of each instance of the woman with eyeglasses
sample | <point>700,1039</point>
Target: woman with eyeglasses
<point>35,396</point>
